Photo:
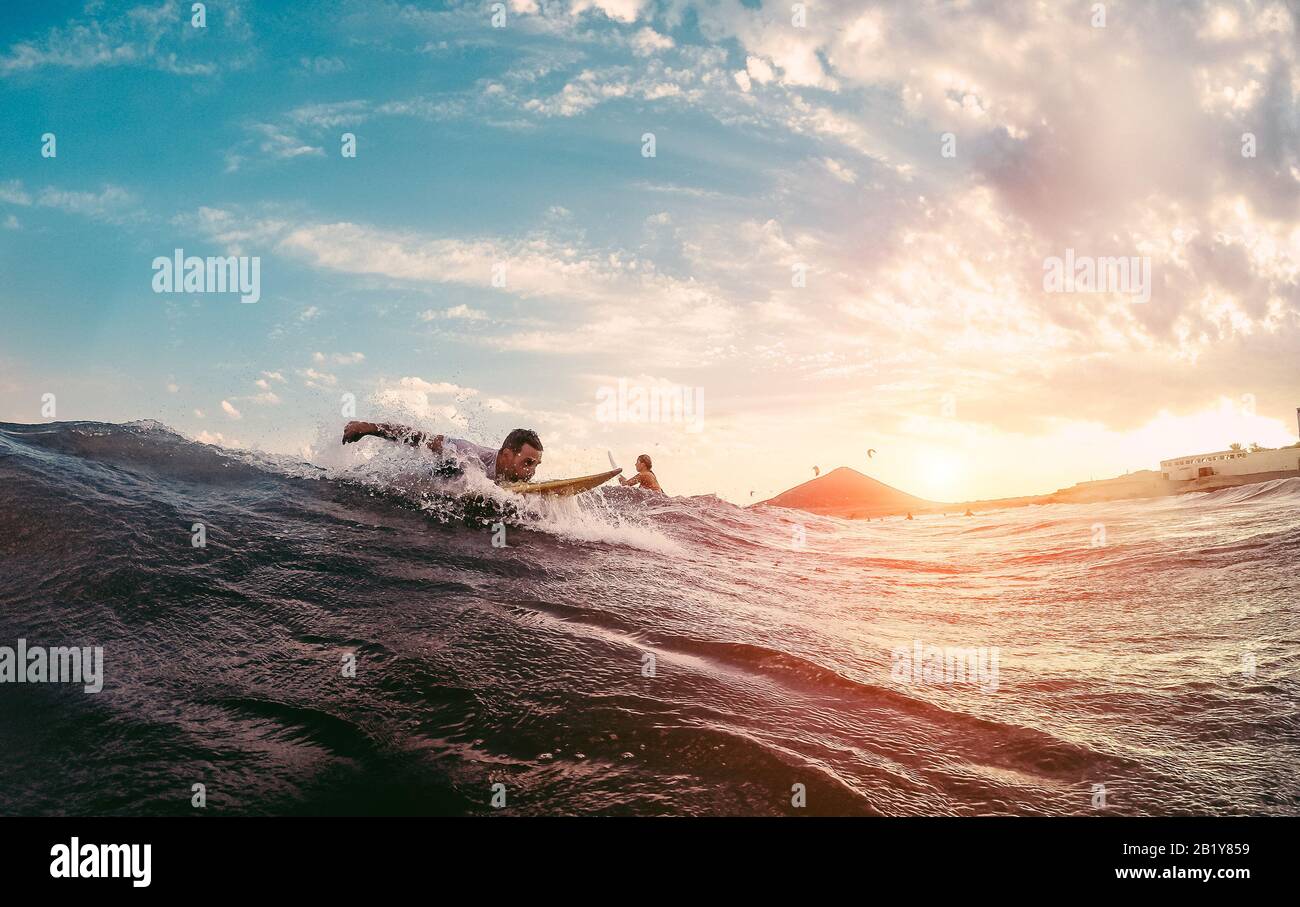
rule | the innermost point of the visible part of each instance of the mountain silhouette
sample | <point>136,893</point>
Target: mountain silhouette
<point>845,492</point>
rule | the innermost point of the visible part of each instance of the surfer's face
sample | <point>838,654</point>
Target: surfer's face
<point>518,466</point>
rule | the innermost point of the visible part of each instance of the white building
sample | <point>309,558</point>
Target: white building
<point>1231,463</point>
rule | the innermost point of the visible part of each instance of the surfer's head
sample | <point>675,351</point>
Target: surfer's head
<point>519,455</point>
<point>644,460</point>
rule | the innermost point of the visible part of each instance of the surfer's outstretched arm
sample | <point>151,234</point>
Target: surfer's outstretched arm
<point>390,431</point>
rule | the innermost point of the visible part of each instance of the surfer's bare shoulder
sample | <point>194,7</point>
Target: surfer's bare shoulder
<point>646,480</point>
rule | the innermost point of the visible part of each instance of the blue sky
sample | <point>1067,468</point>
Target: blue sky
<point>923,330</point>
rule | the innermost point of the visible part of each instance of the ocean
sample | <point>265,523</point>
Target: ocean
<point>348,641</point>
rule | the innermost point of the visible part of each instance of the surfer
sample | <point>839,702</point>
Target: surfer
<point>515,461</point>
<point>644,477</point>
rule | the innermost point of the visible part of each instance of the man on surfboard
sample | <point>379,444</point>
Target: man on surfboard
<point>515,461</point>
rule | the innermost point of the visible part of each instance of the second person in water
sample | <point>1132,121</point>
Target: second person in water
<point>644,477</point>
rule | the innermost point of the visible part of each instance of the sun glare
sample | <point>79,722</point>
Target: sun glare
<point>939,475</point>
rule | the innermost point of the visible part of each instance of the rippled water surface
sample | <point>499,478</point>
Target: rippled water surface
<point>679,656</point>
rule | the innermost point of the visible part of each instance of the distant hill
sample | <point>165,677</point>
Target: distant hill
<point>845,492</point>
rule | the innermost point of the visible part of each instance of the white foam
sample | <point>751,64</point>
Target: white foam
<point>572,518</point>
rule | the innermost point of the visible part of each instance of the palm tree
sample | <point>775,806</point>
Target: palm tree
<point>1234,446</point>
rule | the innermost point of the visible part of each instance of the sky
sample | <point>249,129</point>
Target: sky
<point>836,245</point>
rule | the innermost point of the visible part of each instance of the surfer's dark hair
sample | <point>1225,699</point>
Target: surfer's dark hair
<point>646,457</point>
<point>519,437</point>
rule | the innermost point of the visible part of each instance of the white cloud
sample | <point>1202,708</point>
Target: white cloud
<point>318,379</point>
<point>333,115</point>
<point>648,41</point>
<point>112,204</point>
<point>230,410</point>
<point>695,315</point>
<point>443,388</point>
<point>462,312</point>
<point>759,70</point>
<point>277,143</point>
<point>217,438</point>
<point>619,10</point>
<point>139,36</point>
<point>322,66</point>
<point>77,46</point>
<point>13,192</point>
<point>339,358</point>
<point>839,171</point>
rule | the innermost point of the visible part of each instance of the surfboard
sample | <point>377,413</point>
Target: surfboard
<point>562,487</point>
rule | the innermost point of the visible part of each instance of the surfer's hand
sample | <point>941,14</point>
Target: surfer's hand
<point>355,431</point>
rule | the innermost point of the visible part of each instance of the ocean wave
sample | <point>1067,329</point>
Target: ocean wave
<point>621,653</point>
<point>1274,491</point>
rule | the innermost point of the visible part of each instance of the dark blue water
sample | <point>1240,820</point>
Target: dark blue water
<point>624,655</point>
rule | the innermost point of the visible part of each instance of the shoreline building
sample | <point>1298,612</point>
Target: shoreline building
<point>1234,462</point>
<point>1231,463</point>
